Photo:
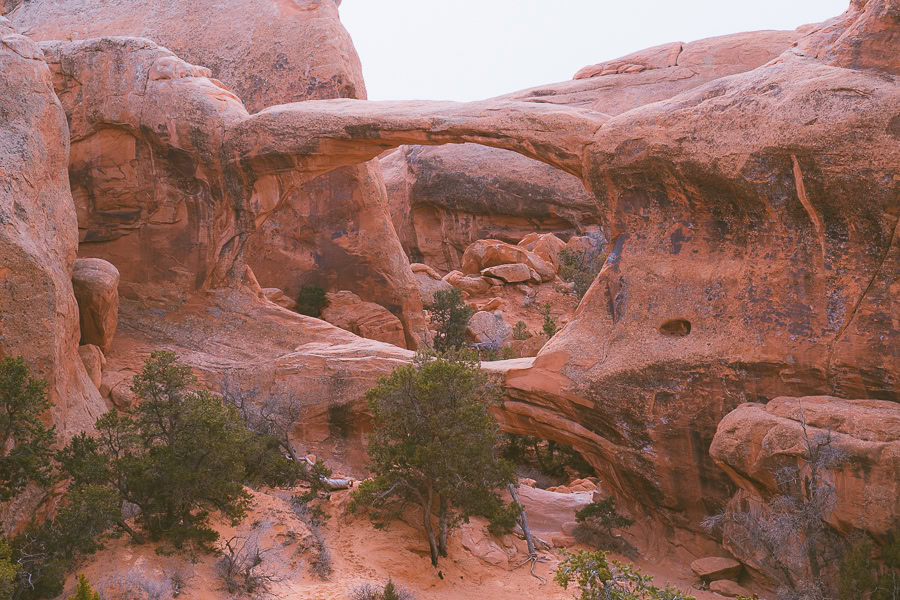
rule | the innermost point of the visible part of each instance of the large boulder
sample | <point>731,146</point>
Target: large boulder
<point>488,329</point>
<point>469,284</point>
<point>334,231</point>
<point>755,440</point>
<point>96,289</point>
<point>491,253</point>
<point>366,319</point>
<point>39,236</point>
<point>716,567</point>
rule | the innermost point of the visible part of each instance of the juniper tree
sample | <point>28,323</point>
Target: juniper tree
<point>433,445</point>
<point>450,315</point>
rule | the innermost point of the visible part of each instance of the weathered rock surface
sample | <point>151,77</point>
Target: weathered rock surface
<point>366,319</point>
<point>545,245</point>
<point>93,360</point>
<point>443,199</point>
<point>715,568</point>
<point>278,297</point>
<point>517,273</point>
<point>492,253</point>
<point>488,329</point>
<point>755,440</point>
<point>96,285</point>
<point>132,188</point>
<point>729,589</point>
<point>39,235</point>
<point>470,284</point>
<point>429,286</point>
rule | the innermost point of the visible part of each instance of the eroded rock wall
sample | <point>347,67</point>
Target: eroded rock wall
<point>39,235</point>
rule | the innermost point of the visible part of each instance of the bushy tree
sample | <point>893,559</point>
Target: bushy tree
<point>177,455</point>
<point>311,300</point>
<point>863,577</point>
<point>26,444</point>
<point>433,445</point>
<point>599,579</point>
<point>83,590</point>
<point>603,516</point>
<point>520,331</point>
<point>450,315</point>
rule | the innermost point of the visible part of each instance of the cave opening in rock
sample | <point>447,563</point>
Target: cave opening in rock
<point>675,328</point>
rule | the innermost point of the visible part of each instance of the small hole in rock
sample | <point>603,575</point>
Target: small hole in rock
<point>675,328</point>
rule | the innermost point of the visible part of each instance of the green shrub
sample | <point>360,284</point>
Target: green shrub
<point>863,577</point>
<point>520,331</point>
<point>390,591</point>
<point>599,579</point>
<point>450,315</point>
<point>433,445</point>
<point>83,590</point>
<point>550,325</point>
<point>311,300</point>
<point>580,268</point>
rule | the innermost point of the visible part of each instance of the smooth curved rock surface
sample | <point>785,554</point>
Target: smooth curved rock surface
<point>96,285</point>
<point>334,232</point>
<point>39,236</point>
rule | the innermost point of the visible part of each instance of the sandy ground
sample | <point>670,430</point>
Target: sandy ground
<point>360,553</point>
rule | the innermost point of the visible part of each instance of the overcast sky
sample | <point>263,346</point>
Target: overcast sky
<point>473,49</point>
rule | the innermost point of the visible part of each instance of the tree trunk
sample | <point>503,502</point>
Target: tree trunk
<point>138,538</point>
<point>523,521</point>
<point>429,530</point>
<point>442,521</point>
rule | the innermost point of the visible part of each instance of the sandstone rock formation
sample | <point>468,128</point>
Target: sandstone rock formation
<point>754,441</point>
<point>716,568</point>
<point>142,194</point>
<point>492,253</point>
<point>93,360</point>
<point>96,285</point>
<point>442,199</point>
<point>38,235</point>
<point>488,330</point>
<point>366,319</point>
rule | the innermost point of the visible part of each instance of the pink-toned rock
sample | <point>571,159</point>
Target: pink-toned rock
<point>93,360</point>
<point>472,285</point>
<point>488,329</point>
<point>475,539</point>
<point>366,319</point>
<point>729,589</point>
<point>515,273</point>
<point>116,387</point>
<point>444,198</point>
<point>278,297</point>
<point>429,286</point>
<point>96,285</point>
<point>422,268</point>
<point>39,237</point>
<point>755,440</point>
<point>334,231</point>
<point>715,568</point>
<point>658,57</point>
<point>529,347</point>
<point>491,253</point>
<point>563,541</point>
<point>548,511</point>
<point>545,245</point>
<point>490,305</point>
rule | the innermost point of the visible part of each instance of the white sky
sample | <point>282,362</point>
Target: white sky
<point>474,49</point>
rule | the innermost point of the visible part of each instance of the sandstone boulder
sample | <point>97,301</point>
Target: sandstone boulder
<point>715,568</point>
<point>490,253</point>
<point>422,268</point>
<point>545,245</point>
<point>549,512</point>
<point>366,319</point>
<point>96,284</point>
<point>469,284</point>
<point>755,440</point>
<point>475,539</point>
<point>529,347</point>
<point>729,589</point>
<point>429,286</point>
<point>516,273</point>
<point>488,329</point>
<point>278,297</point>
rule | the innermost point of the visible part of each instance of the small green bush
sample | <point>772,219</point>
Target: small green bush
<point>83,590</point>
<point>550,325</point>
<point>520,331</point>
<point>599,579</point>
<point>311,300</point>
